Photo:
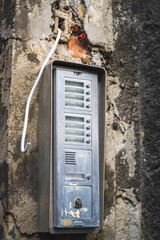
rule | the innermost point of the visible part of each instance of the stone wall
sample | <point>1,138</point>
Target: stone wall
<point>122,36</point>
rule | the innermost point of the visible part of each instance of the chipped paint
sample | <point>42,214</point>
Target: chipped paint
<point>84,209</point>
<point>70,205</point>
<point>67,222</point>
<point>65,211</point>
<point>61,213</point>
<point>72,184</point>
<point>74,214</point>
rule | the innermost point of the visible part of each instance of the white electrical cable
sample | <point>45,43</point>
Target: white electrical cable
<point>24,149</point>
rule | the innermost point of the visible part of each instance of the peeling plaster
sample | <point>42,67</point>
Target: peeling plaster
<point>128,216</point>
<point>31,43</point>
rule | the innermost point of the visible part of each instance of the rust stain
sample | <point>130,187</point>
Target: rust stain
<point>77,50</point>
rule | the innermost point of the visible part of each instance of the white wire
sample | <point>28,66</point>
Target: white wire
<point>24,149</point>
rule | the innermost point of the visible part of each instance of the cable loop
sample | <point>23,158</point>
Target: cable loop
<point>25,148</point>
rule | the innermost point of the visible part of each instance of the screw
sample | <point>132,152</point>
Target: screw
<point>88,176</point>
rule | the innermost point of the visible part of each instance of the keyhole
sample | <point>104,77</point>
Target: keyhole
<point>78,203</point>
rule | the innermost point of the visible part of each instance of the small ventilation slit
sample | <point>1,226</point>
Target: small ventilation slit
<point>70,158</point>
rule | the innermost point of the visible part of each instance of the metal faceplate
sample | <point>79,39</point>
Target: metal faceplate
<point>76,149</point>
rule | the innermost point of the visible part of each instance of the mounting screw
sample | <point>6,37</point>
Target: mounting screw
<point>88,176</point>
<point>88,92</point>
<point>88,106</point>
<point>88,127</point>
<point>88,85</point>
<point>88,141</point>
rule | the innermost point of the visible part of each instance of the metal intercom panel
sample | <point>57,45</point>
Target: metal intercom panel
<point>71,148</point>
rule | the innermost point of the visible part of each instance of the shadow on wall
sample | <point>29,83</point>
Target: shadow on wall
<point>109,190</point>
<point>62,237</point>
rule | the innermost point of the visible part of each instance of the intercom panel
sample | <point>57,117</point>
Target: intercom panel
<point>71,148</point>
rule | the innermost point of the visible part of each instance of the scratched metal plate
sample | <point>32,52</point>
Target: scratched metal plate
<point>61,160</point>
<point>76,150</point>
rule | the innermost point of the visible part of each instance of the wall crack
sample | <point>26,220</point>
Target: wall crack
<point>14,38</point>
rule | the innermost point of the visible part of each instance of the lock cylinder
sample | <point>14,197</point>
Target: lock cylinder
<point>78,203</point>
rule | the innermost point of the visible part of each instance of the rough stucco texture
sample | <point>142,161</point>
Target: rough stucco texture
<point>150,118</point>
<point>30,46</point>
<point>6,20</point>
<point>124,64</point>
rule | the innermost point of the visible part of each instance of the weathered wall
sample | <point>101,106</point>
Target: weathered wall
<point>119,34</point>
<point>6,24</point>
<point>124,64</point>
<point>150,118</point>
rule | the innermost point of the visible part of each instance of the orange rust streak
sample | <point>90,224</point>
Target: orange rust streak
<point>77,50</point>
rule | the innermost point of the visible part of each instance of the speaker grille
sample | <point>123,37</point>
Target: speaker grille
<point>70,158</point>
